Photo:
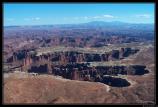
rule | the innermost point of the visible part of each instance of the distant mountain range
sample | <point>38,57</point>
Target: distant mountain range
<point>106,28</point>
<point>93,24</point>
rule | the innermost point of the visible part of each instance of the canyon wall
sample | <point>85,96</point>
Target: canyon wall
<point>26,59</point>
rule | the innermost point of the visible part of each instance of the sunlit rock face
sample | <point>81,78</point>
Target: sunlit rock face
<point>72,56</point>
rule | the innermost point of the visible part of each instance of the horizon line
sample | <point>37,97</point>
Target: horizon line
<point>77,23</point>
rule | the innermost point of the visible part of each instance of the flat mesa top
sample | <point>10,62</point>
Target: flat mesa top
<point>110,63</point>
<point>76,49</point>
<point>99,50</point>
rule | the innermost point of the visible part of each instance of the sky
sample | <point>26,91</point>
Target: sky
<point>47,14</point>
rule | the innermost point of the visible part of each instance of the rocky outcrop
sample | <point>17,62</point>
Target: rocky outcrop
<point>66,64</point>
<point>27,59</point>
<point>76,57</point>
<point>83,72</point>
<point>70,56</point>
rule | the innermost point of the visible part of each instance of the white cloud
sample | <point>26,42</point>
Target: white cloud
<point>32,19</point>
<point>103,16</point>
<point>108,16</point>
<point>143,16</point>
<point>36,18</point>
<point>94,17</point>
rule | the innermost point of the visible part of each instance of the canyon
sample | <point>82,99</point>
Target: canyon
<point>77,65</point>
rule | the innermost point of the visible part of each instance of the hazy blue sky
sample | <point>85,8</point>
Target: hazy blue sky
<point>38,14</point>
